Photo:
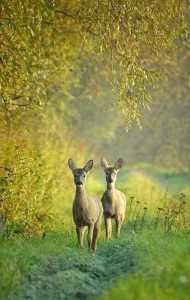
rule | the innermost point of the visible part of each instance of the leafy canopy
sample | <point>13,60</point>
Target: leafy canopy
<point>50,42</point>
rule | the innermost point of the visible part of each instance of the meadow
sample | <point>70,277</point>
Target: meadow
<point>150,260</point>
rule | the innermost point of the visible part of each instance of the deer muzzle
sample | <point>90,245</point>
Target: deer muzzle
<point>79,183</point>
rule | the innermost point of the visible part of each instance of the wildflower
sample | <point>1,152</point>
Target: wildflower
<point>183,279</point>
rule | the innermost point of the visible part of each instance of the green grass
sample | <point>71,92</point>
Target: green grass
<point>163,271</point>
<point>150,260</point>
<point>149,265</point>
<point>176,180</point>
<point>55,268</point>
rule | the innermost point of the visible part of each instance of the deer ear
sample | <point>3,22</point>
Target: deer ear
<point>104,163</point>
<point>88,166</point>
<point>71,164</point>
<point>118,164</point>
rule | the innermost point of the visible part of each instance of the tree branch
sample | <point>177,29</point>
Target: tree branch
<point>21,104</point>
<point>64,13</point>
<point>7,169</point>
<point>17,97</point>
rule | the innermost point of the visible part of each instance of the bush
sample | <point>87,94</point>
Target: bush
<point>25,194</point>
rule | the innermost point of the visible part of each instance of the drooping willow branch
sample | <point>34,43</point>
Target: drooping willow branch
<point>6,169</point>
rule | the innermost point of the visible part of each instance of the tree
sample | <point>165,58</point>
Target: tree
<point>48,42</point>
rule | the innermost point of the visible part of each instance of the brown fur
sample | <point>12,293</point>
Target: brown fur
<point>87,210</point>
<point>113,201</point>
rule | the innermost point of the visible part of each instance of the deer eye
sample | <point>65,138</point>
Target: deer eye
<point>84,175</point>
<point>75,176</point>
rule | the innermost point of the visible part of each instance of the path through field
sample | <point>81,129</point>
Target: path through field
<point>77,274</point>
<point>142,265</point>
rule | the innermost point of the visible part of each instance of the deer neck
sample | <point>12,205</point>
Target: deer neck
<point>80,196</point>
<point>110,190</point>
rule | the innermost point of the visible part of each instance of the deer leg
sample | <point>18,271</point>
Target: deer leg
<point>118,226</point>
<point>108,228</point>
<point>95,234</point>
<point>89,236</point>
<point>80,233</point>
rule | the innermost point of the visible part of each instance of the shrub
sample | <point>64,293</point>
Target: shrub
<point>25,194</point>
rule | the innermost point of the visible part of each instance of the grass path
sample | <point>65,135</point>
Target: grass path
<point>74,276</point>
<point>74,273</point>
<point>145,265</point>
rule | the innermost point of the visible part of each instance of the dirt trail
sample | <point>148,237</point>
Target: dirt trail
<point>77,275</point>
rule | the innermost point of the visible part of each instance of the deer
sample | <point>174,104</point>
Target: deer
<point>87,210</point>
<point>113,201</point>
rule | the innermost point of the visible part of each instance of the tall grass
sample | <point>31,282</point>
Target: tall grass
<point>170,216</point>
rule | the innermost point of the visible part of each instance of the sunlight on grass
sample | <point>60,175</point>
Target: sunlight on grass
<point>163,273</point>
<point>142,187</point>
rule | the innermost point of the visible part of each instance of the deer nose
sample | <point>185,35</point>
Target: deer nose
<point>79,182</point>
<point>110,180</point>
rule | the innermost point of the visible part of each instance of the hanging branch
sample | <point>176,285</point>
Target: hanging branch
<point>5,168</point>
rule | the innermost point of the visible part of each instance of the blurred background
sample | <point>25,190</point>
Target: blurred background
<point>85,124</point>
<point>78,114</point>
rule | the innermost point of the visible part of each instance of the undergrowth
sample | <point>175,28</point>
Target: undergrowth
<point>25,194</point>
